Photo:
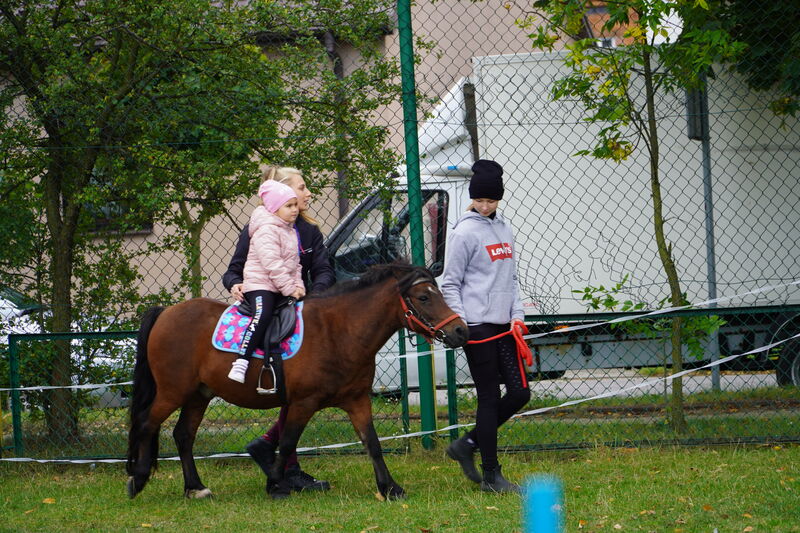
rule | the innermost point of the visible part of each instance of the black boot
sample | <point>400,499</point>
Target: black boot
<point>462,451</point>
<point>263,453</point>
<point>493,481</point>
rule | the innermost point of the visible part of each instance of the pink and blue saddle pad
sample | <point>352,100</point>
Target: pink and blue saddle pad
<point>232,325</point>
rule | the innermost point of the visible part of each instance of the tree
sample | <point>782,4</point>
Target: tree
<point>771,60</point>
<point>618,86</point>
<point>162,113</point>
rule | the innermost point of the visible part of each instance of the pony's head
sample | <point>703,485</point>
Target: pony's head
<point>425,309</point>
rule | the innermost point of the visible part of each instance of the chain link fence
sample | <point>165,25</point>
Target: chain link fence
<point>585,243</point>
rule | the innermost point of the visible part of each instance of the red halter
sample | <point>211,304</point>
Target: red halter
<point>433,332</point>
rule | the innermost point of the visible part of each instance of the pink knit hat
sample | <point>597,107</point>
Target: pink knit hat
<point>274,194</point>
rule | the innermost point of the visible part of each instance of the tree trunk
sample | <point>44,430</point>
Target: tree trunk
<point>193,247</point>
<point>341,174</point>
<point>61,413</point>
<point>195,264</point>
<point>677,419</point>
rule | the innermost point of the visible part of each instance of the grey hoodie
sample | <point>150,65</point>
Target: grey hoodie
<point>480,272</point>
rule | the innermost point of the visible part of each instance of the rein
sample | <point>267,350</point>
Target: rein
<point>434,331</point>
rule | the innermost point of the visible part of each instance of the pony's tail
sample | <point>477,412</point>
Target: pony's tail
<point>144,391</point>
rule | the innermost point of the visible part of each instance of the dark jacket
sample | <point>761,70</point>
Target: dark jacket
<point>317,271</point>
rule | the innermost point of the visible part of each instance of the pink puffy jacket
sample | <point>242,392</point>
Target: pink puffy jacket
<point>273,261</point>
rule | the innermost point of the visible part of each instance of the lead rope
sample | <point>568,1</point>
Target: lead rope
<point>523,350</point>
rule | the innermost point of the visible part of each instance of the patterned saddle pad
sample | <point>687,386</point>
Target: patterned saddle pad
<point>231,326</point>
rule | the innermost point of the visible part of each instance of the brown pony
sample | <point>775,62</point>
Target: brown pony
<point>177,367</point>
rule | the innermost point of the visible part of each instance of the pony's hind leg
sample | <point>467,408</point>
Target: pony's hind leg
<point>360,412</point>
<point>184,433</point>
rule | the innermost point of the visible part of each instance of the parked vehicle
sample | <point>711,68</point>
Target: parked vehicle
<point>560,249</point>
<point>94,361</point>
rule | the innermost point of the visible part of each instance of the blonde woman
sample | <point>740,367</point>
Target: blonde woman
<point>317,275</point>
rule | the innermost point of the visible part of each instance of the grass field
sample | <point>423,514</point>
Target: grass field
<point>729,488</point>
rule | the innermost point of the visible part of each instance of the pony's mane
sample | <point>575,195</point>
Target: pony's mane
<point>401,269</point>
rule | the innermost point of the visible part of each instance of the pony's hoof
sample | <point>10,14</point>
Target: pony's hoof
<point>395,492</point>
<point>278,491</point>
<point>198,494</point>
<point>131,487</point>
<point>279,495</point>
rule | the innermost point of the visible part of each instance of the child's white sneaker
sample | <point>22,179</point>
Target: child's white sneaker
<point>238,370</point>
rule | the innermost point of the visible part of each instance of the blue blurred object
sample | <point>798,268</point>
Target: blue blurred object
<point>543,505</point>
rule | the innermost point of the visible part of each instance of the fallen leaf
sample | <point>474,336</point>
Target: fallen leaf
<point>617,526</point>
<point>29,511</point>
<point>405,506</point>
<point>748,528</point>
<point>581,523</point>
<point>707,507</point>
<point>147,525</point>
<point>492,508</point>
<point>380,497</point>
<point>49,500</point>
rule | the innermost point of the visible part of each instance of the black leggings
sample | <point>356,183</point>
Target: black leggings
<point>491,363</point>
<point>262,303</point>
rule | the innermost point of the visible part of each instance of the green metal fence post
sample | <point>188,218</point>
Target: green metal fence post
<point>452,399</point>
<point>405,414</point>
<point>16,405</point>
<point>424,362</point>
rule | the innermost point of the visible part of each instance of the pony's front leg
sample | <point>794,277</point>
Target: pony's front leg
<point>360,412</point>
<point>297,417</point>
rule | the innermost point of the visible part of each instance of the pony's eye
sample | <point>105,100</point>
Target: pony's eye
<point>423,298</point>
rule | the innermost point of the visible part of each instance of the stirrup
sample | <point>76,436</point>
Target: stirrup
<point>259,388</point>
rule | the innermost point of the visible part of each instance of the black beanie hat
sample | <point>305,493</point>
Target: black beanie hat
<point>487,180</point>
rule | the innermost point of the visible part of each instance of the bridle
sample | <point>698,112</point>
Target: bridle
<point>432,331</point>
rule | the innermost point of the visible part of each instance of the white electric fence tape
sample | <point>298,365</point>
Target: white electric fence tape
<point>616,392</point>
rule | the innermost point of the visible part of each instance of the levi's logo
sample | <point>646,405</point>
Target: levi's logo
<point>499,251</point>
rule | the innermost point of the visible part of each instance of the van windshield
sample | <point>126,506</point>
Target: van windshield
<point>380,233</point>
